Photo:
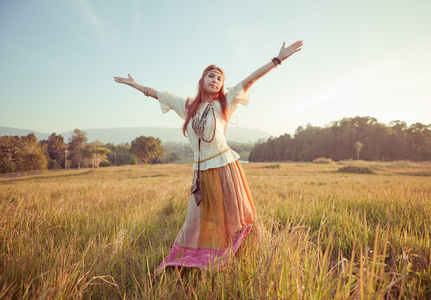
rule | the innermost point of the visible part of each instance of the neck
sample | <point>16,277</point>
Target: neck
<point>208,98</point>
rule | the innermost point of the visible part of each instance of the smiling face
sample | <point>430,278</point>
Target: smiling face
<point>213,81</point>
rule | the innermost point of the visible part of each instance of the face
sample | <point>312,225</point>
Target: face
<point>213,81</point>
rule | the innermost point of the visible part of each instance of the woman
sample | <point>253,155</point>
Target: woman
<point>221,211</point>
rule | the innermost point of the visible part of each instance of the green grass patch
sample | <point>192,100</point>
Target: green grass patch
<point>356,170</point>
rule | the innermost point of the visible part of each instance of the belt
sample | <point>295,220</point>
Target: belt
<point>215,155</point>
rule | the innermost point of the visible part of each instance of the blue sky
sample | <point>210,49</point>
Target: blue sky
<point>366,58</point>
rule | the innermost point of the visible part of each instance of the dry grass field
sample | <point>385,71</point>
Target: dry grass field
<point>320,234</point>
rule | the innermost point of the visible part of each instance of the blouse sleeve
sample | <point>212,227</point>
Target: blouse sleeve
<point>234,97</point>
<point>169,101</point>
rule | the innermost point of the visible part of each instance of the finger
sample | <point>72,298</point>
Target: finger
<point>284,45</point>
<point>295,45</point>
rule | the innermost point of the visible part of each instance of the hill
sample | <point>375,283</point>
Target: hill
<point>126,135</point>
<point>20,132</point>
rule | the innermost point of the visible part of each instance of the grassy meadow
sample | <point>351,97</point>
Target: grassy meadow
<point>320,234</point>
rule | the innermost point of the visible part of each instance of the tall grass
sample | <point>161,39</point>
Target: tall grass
<point>320,234</point>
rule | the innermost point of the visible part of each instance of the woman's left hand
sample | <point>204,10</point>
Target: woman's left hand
<point>286,52</point>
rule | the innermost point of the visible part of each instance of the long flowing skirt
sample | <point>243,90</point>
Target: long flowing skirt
<point>216,228</point>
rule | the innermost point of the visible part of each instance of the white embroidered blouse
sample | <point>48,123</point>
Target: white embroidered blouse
<point>234,97</point>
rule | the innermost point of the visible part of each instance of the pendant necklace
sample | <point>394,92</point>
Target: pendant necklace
<point>198,123</point>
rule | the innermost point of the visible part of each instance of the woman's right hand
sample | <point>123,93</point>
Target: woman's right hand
<point>130,81</point>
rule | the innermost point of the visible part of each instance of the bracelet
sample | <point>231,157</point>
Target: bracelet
<point>146,91</point>
<point>276,61</point>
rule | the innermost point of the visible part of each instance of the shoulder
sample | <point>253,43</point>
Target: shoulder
<point>170,101</point>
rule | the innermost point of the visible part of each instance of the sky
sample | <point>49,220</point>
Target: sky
<point>360,58</point>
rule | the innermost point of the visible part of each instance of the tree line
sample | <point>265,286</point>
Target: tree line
<point>350,138</point>
<point>26,153</point>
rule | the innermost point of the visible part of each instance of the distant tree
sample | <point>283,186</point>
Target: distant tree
<point>10,146</point>
<point>419,141</point>
<point>20,154</point>
<point>119,154</point>
<point>77,149</point>
<point>34,161</point>
<point>396,141</point>
<point>31,156</point>
<point>78,138</point>
<point>358,147</point>
<point>98,154</point>
<point>170,157</point>
<point>147,148</point>
<point>93,154</point>
<point>54,148</point>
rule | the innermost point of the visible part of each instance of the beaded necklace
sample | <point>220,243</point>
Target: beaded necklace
<point>198,124</point>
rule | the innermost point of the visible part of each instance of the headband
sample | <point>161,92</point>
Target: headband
<point>213,70</point>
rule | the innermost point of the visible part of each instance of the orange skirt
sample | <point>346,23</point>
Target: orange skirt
<point>217,227</point>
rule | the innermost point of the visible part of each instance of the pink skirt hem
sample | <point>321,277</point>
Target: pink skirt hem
<point>202,258</point>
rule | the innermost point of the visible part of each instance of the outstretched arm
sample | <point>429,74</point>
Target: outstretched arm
<point>284,53</point>
<point>150,92</point>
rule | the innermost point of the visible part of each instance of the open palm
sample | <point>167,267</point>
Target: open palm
<point>285,52</point>
<point>129,81</point>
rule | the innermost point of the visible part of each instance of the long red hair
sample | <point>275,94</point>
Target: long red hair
<point>192,106</point>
